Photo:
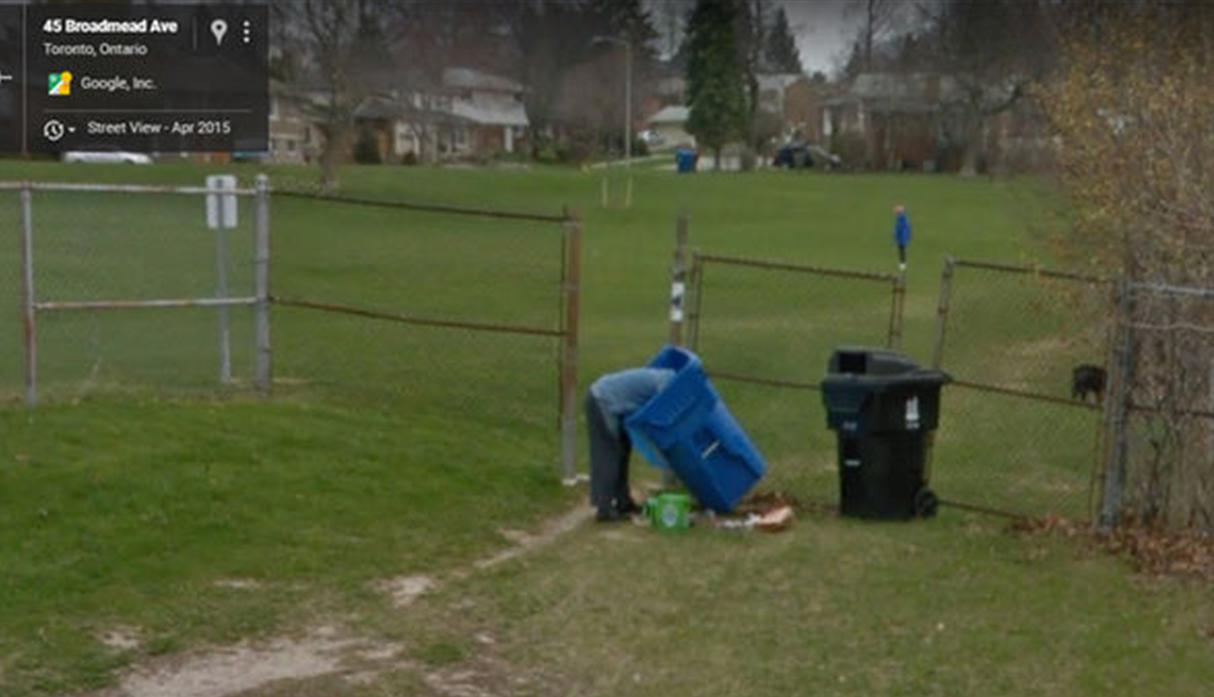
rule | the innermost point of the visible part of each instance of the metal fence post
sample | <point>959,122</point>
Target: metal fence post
<point>697,295</point>
<point>678,280</point>
<point>678,297</point>
<point>1117,407</point>
<point>569,341</point>
<point>28,312</point>
<point>946,290</point>
<point>221,291</point>
<point>261,260</point>
<point>896,312</point>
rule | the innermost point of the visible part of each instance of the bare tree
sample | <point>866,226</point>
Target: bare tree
<point>877,19</point>
<point>340,50</point>
<point>995,51</point>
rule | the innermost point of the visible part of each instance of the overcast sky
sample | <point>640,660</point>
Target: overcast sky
<point>824,30</point>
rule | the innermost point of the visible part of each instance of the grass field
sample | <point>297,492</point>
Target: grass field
<point>138,494</point>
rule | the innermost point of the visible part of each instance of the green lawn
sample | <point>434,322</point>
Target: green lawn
<point>393,450</point>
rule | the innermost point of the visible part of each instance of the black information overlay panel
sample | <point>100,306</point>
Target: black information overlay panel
<point>12,79</point>
<point>138,77</point>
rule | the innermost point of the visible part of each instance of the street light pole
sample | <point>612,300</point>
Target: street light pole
<point>628,121</point>
<point>627,103</point>
<point>627,44</point>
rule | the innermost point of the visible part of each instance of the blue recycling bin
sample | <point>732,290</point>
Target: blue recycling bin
<point>685,160</point>
<point>688,429</point>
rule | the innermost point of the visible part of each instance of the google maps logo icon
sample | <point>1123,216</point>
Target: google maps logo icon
<point>59,84</point>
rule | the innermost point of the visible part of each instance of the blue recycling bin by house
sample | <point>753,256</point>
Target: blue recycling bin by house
<point>685,160</point>
<point>688,429</point>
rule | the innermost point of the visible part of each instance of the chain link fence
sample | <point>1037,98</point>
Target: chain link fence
<point>127,289</point>
<point>1160,445</point>
<point>421,311</point>
<point>1026,348</point>
<point>766,330</point>
<point>12,347</point>
<point>468,312</point>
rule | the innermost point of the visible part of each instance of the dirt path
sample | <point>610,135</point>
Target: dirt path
<point>323,651</point>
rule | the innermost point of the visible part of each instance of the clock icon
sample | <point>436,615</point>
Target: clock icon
<point>53,130</point>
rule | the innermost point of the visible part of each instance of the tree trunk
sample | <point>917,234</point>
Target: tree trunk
<point>972,147</point>
<point>716,159</point>
<point>332,155</point>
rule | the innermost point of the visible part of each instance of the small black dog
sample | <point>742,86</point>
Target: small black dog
<point>1087,379</point>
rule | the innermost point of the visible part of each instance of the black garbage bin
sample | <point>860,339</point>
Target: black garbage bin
<point>884,409</point>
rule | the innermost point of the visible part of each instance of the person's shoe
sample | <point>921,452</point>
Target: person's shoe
<point>902,267</point>
<point>609,514</point>
<point>627,507</point>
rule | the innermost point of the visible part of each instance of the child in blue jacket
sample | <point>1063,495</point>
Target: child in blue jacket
<point>902,234</point>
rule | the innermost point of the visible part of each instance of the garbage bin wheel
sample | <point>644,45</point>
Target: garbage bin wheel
<point>926,503</point>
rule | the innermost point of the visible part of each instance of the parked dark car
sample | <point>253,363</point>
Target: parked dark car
<point>799,155</point>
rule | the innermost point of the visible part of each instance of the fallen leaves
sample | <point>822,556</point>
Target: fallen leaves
<point>1152,550</point>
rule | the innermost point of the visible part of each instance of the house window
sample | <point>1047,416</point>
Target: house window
<point>461,137</point>
<point>291,145</point>
<point>273,107</point>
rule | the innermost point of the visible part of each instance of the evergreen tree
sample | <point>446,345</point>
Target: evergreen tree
<point>716,83</point>
<point>628,19</point>
<point>781,50</point>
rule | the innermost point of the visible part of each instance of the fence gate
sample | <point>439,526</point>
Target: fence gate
<point>1016,435</point>
<point>113,280</point>
<point>470,313</point>
<point>766,330</point>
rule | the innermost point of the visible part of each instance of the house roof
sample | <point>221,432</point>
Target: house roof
<point>471,79</point>
<point>379,108</point>
<point>891,91</point>
<point>671,114</point>
<point>777,81</point>
<point>491,113</point>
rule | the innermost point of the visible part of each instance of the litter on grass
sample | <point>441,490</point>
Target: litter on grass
<point>768,512</point>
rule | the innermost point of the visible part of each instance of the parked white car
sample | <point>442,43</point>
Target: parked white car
<point>652,138</point>
<point>107,157</point>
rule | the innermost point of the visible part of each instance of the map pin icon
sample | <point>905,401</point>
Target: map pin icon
<point>219,28</point>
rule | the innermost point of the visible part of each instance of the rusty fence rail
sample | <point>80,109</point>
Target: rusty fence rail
<point>444,209</point>
<point>120,285</point>
<point>810,298</point>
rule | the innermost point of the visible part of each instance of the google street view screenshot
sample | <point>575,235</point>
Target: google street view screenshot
<point>451,348</point>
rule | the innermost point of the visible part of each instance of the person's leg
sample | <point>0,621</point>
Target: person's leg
<point>605,456</point>
<point>623,495</point>
<point>902,257</point>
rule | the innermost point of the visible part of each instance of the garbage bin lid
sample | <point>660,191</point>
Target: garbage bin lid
<point>867,360</point>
